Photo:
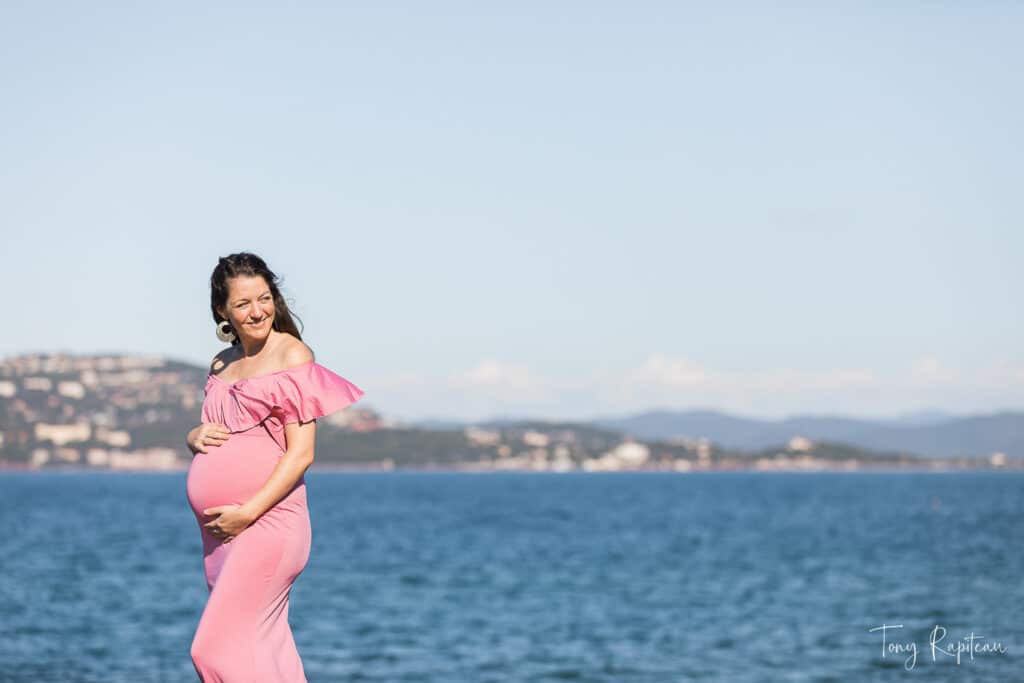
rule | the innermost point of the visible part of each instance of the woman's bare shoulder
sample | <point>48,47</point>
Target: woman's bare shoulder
<point>222,360</point>
<point>296,352</point>
<point>291,351</point>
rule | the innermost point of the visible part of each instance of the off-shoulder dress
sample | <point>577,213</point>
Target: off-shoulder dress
<point>243,635</point>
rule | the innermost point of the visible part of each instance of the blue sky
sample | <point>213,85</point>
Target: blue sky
<point>560,210</point>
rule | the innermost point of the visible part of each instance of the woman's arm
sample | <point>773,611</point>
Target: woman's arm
<point>301,439</point>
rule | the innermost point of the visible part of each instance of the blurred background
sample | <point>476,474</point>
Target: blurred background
<point>676,239</point>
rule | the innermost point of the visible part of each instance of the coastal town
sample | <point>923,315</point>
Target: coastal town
<point>130,413</point>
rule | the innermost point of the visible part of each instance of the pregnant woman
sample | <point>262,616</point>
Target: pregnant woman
<point>246,483</point>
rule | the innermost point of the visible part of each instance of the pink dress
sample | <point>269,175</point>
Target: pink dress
<point>243,635</point>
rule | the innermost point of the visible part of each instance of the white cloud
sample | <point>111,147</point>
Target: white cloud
<point>1002,373</point>
<point>929,370</point>
<point>679,372</point>
<point>661,370</point>
<point>491,373</point>
<point>677,382</point>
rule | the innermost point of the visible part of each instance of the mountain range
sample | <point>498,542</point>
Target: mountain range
<point>932,434</point>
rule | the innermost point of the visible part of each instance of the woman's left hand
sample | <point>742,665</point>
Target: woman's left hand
<point>231,520</point>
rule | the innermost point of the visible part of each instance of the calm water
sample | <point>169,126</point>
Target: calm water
<point>537,577</point>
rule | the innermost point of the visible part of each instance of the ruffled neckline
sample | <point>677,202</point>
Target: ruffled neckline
<point>297,393</point>
<point>262,374</point>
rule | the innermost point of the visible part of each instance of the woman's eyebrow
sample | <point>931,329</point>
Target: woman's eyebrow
<point>238,301</point>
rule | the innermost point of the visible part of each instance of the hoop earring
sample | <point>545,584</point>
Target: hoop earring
<point>225,335</point>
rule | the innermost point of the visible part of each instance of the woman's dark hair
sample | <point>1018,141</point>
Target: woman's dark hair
<point>245,263</point>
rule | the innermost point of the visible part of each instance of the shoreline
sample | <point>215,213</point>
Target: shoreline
<point>359,469</point>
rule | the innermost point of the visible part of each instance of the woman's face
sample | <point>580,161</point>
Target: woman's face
<point>250,307</point>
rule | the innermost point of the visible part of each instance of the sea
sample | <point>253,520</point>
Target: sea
<point>577,576</point>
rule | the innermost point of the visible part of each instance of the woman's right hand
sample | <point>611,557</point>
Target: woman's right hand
<point>207,434</point>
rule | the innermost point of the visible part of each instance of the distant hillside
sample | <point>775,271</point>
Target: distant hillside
<point>132,411</point>
<point>933,435</point>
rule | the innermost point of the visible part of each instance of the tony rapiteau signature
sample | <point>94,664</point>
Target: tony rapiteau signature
<point>969,643</point>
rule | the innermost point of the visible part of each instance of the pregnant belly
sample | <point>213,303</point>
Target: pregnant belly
<point>232,472</point>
